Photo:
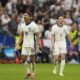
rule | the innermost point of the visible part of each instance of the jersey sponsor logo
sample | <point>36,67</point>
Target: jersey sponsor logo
<point>30,29</point>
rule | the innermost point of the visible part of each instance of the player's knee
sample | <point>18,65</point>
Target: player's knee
<point>62,58</point>
<point>56,58</point>
<point>23,58</point>
<point>32,60</point>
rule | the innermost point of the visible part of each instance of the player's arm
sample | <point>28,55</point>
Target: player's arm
<point>37,39</point>
<point>70,41</point>
<point>36,32</point>
<point>20,40</point>
<point>38,44</point>
<point>52,40</point>
<point>68,37</point>
<point>52,36</point>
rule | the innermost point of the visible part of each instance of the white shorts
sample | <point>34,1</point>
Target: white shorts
<point>28,51</point>
<point>59,48</point>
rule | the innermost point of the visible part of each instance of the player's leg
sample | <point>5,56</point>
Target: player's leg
<point>26,65</point>
<point>33,66</point>
<point>55,58</point>
<point>55,64</point>
<point>62,64</point>
<point>32,59</point>
<point>63,51</point>
<point>26,61</point>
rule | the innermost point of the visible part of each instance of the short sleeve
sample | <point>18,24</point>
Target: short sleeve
<point>36,29</point>
<point>20,28</point>
<point>52,30</point>
<point>67,30</point>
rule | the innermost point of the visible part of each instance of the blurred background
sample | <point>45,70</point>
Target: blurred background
<point>44,13</point>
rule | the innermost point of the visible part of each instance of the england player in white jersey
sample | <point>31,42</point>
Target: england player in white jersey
<point>59,33</point>
<point>28,29</point>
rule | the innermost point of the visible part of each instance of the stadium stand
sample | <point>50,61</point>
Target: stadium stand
<point>43,12</point>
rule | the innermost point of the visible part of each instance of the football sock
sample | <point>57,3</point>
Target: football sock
<point>62,66</point>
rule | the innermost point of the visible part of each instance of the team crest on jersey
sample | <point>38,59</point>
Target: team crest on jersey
<point>64,30</point>
<point>26,33</point>
<point>30,29</point>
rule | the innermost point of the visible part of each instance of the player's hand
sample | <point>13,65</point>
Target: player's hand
<point>38,46</point>
<point>17,47</point>
<point>71,45</point>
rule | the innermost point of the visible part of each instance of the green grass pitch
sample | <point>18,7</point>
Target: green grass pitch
<point>43,72</point>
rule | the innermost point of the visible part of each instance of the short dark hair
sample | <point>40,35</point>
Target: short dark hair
<point>59,15</point>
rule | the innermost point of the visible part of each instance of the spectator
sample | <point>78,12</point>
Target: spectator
<point>46,21</point>
<point>12,25</point>
<point>52,18</point>
<point>74,38</point>
<point>79,43</point>
<point>68,19</point>
<point>5,19</point>
<point>9,7</point>
<point>44,12</point>
<point>41,28</point>
<point>20,6</point>
<point>48,32</point>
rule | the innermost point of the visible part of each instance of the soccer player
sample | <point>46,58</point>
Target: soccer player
<point>28,29</point>
<point>59,33</point>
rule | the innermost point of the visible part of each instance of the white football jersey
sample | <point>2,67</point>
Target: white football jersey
<point>29,30</point>
<point>60,32</point>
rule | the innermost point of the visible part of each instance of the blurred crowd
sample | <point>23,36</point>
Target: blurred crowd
<point>44,13</point>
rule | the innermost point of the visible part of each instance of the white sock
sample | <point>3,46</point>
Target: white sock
<point>27,67</point>
<point>28,70</point>
<point>56,66</point>
<point>31,67</point>
<point>25,64</point>
<point>62,66</point>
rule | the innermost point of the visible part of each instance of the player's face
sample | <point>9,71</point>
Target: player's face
<point>61,20</point>
<point>26,18</point>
